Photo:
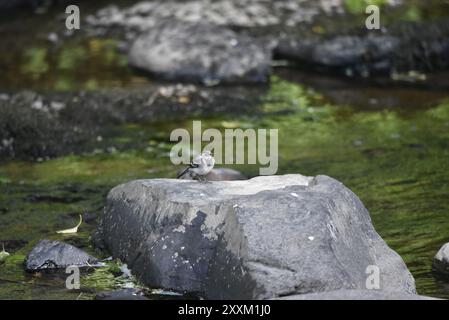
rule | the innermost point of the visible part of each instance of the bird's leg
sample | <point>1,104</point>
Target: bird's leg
<point>201,178</point>
<point>205,180</point>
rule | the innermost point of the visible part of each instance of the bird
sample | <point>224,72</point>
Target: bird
<point>200,166</point>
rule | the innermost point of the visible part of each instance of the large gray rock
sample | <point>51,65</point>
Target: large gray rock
<point>357,295</point>
<point>260,238</point>
<point>441,261</point>
<point>200,52</point>
<point>48,254</point>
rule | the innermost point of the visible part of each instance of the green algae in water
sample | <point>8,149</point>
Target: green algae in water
<point>35,62</point>
<point>108,278</point>
<point>77,64</point>
<point>15,283</point>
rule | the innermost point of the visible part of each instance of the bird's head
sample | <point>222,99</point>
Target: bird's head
<point>207,153</point>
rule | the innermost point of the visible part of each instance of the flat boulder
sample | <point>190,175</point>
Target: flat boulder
<point>200,52</point>
<point>267,237</point>
<point>48,254</point>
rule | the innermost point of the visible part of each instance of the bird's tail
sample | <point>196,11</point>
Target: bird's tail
<point>183,172</point>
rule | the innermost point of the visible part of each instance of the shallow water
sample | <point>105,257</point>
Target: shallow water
<point>389,144</point>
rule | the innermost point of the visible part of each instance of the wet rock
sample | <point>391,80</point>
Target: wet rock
<point>370,53</point>
<point>200,52</point>
<point>36,126</point>
<point>357,295</point>
<point>441,261</point>
<point>29,128</point>
<point>48,254</point>
<point>261,238</point>
<point>342,47</point>
<point>123,294</point>
<point>398,49</point>
<point>253,13</point>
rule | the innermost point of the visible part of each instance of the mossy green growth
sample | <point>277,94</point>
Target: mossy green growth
<point>359,6</point>
<point>14,260</point>
<point>285,96</point>
<point>109,277</point>
<point>35,62</point>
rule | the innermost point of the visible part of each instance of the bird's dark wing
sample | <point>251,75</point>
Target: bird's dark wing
<point>192,165</point>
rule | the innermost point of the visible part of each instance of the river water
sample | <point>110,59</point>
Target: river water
<point>388,143</point>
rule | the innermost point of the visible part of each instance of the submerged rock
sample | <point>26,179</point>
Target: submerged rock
<point>251,13</point>
<point>357,295</point>
<point>200,52</point>
<point>355,53</point>
<point>32,128</point>
<point>261,238</point>
<point>441,261</point>
<point>48,254</point>
<point>400,48</point>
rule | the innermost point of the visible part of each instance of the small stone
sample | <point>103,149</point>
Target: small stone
<point>441,261</point>
<point>48,254</point>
